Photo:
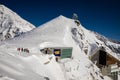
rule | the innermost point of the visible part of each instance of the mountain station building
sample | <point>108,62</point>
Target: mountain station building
<point>108,64</point>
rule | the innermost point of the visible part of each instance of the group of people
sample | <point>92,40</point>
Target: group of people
<point>23,50</point>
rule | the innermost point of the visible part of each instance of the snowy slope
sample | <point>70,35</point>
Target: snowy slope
<point>15,67</point>
<point>112,44</point>
<point>59,32</point>
<point>11,24</point>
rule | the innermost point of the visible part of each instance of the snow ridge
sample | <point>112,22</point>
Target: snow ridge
<point>12,25</point>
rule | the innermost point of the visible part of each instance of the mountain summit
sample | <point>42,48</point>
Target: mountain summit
<point>60,32</point>
<point>11,24</point>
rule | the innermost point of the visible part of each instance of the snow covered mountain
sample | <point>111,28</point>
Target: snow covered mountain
<point>11,24</point>
<point>59,28</point>
<point>59,32</point>
<point>112,44</point>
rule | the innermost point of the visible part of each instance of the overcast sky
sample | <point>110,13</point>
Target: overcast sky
<point>102,16</point>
